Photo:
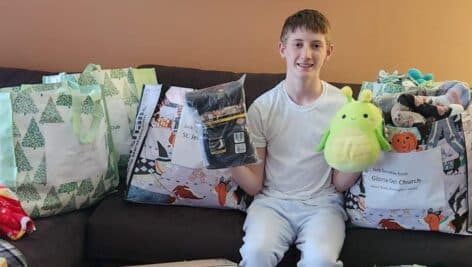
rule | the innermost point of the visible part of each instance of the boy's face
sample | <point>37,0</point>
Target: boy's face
<point>305,53</point>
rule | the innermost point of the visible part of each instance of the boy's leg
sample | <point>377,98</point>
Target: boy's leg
<point>321,238</point>
<point>267,234</point>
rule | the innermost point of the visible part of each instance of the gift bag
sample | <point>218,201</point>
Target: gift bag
<point>122,90</point>
<point>63,153</point>
<point>422,184</point>
<point>155,176</point>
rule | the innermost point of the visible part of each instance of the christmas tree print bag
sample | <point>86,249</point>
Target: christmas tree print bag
<point>423,183</point>
<point>122,90</point>
<point>62,146</point>
<point>155,176</point>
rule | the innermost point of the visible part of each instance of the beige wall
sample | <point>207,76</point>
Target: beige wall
<point>369,35</point>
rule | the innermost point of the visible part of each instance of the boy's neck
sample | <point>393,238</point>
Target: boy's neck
<point>303,91</point>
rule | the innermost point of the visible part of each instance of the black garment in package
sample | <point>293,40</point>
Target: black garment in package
<point>222,122</point>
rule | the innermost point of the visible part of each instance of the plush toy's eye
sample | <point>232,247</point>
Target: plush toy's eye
<point>365,115</point>
<point>344,116</point>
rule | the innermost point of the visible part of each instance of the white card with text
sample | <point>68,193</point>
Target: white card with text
<point>187,150</point>
<point>396,181</point>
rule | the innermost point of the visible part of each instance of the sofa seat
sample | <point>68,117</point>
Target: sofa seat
<point>121,232</point>
<point>366,247</point>
<point>58,241</point>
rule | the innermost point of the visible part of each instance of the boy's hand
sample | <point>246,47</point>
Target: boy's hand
<point>250,177</point>
<point>344,180</point>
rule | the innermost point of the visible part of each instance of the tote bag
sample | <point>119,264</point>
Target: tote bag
<point>422,184</point>
<point>156,177</point>
<point>63,153</point>
<point>122,91</point>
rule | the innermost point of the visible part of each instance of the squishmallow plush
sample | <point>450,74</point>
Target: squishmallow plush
<point>355,137</point>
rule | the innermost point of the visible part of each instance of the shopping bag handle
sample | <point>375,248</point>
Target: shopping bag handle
<point>92,67</point>
<point>77,93</point>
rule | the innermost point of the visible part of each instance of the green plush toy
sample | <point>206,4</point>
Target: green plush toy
<point>355,137</point>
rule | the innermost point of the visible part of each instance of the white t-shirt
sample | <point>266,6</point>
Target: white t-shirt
<point>290,132</point>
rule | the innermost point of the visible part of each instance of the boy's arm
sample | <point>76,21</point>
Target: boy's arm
<point>250,177</point>
<point>343,180</point>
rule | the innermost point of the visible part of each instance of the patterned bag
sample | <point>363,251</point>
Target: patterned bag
<point>122,90</point>
<point>154,178</point>
<point>63,150</point>
<point>422,183</point>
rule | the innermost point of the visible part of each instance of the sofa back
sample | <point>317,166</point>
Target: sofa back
<point>255,84</point>
<point>14,77</point>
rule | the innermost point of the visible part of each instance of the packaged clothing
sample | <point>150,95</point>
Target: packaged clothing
<point>222,118</point>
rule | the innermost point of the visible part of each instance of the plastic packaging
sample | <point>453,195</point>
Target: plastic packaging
<point>221,118</point>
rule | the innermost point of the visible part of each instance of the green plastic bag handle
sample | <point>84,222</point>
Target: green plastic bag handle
<point>142,77</point>
<point>8,170</point>
<point>92,67</point>
<point>77,93</point>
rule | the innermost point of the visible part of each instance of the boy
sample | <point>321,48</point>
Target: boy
<point>297,199</point>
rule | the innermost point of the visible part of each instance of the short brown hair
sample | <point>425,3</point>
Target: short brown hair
<point>307,19</point>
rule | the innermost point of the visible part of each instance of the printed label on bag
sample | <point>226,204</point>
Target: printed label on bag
<point>240,148</point>
<point>399,181</point>
<point>239,137</point>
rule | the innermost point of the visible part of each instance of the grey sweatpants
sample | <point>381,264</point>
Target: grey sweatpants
<point>272,225</point>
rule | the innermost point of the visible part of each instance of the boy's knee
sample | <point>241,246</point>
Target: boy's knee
<point>256,250</point>
<point>314,258</point>
<point>258,254</point>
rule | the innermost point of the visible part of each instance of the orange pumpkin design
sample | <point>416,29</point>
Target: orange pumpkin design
<point>404,142</point>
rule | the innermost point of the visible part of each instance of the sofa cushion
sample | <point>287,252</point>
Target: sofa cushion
<point>366,247</point>
<point>254,85</point>
<point>58,241</point>
<point>15,77</point>
<point>124,232</point>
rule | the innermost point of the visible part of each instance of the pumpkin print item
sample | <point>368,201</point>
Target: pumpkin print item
<point>404,142</point>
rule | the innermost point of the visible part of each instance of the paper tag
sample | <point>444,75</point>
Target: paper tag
<point>397,181</point>
<point>187,142</point>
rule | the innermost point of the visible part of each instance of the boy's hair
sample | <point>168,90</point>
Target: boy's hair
<point>307,19</point>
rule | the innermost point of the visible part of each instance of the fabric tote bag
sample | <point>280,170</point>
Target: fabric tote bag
<point>166,164</point>
<point>422,184</point>
<point>63,152</point>
<point>122,91</point>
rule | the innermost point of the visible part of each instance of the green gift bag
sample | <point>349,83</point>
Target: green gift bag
<point>62,146</point>
<point>122,91</point>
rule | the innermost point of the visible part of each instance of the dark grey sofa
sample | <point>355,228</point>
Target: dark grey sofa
<point>116,232</point>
